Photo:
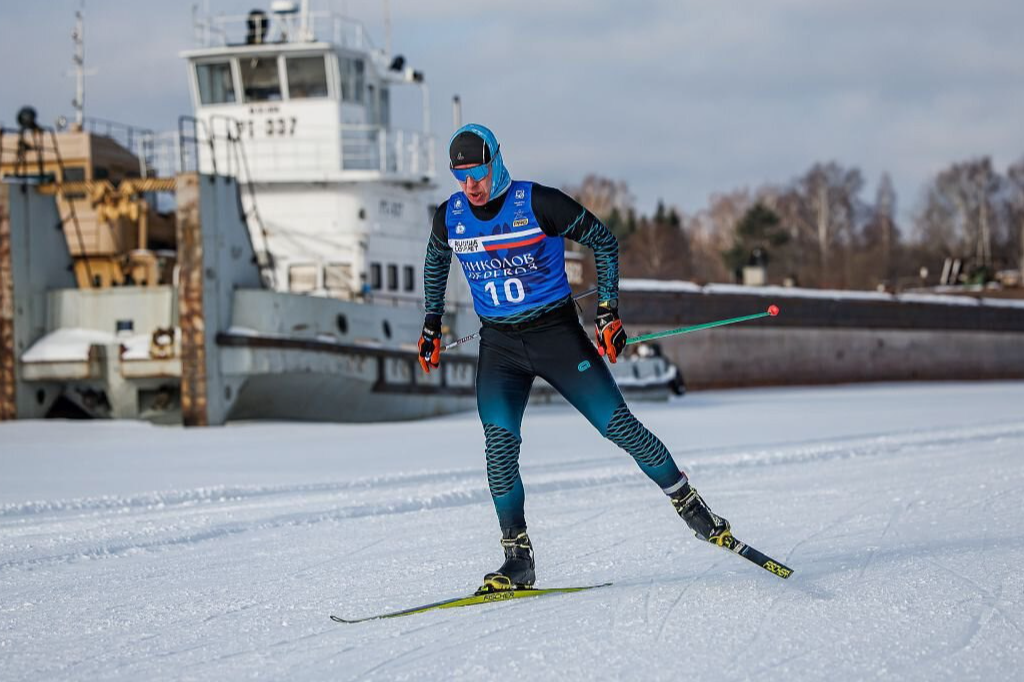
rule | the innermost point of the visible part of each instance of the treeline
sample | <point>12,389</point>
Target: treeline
<point>818,230</point>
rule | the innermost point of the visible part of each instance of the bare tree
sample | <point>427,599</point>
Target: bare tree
<point>822,209</point>
<point>1015,175</point>
<point>969,186</point>
<point>713,231</point>
<point>834,238</point>
<point>609,200</point>
<point>875,258</point>
<point>963,213</point>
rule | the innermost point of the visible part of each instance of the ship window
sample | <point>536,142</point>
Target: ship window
<point>392,278</point>
<point>352,79</point>
<point>215,85</point>
<point>409,278</point>
<point>74,174</point>
<point>338,278</point>
<point>302,278</point>
<point>307,77</point>
<point>260,79</point>
<point>375,278</point>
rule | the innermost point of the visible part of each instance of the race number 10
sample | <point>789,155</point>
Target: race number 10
<point>514,292</point>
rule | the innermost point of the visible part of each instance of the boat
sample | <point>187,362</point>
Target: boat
<point>263,261</point>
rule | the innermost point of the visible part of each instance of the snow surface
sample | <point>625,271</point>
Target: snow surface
<point>69,344</point>
<point>136,552</point>
<point>72,344</point>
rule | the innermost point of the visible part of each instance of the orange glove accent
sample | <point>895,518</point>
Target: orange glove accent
<point>611,337</point>
<point>430,347</point>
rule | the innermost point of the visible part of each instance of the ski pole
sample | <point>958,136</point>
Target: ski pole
<point>772,311</point>
<point>476,335</point>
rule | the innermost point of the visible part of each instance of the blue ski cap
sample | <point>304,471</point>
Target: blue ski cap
<point>501,179</point>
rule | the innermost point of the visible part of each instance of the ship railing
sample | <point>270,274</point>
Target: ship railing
<point>373,148</point>
<point>138,141</point>
<point>195,137</point>
<point>165,157</point>
<point>150,148</point>
<point>156,153</point>
<point>324,26</point>
<point>191,133</point>
<point>212,146</point>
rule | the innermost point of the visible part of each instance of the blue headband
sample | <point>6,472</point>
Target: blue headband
<point>501,179</point>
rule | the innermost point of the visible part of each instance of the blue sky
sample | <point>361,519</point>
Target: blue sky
<point>678,98</point>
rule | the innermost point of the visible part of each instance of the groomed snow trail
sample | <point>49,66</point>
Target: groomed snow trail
<point>135,552</point>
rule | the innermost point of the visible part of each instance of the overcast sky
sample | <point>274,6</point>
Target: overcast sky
<point>680,98</point>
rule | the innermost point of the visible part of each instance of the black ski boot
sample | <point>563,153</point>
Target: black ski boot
<point>517,571</point>
<point>704,523</point>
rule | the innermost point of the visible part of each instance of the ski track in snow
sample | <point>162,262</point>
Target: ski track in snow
<point>416,492</point>
<point>803,453</point>
<point>906,543</point>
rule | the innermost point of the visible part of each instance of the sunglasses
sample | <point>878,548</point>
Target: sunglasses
<point>478,173</point>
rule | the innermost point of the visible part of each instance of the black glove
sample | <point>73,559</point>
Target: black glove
<point>430,343</point>
<point>611,337</point>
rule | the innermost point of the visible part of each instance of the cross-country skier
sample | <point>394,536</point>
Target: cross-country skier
<point>509,239</point>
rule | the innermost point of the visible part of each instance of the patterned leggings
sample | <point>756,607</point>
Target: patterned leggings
<point>557,350</point>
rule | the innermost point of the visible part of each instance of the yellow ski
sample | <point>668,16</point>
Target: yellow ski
<point>478,597</point>
<point>727,541</point>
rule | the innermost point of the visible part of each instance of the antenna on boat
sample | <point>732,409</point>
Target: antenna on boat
<point>304,32</point>
<point>387,28</point>
<point>456,112</point>
<point>80,72</point>
<point>201,24</point>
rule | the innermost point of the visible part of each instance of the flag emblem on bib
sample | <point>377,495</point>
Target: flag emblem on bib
<point>497,242</point>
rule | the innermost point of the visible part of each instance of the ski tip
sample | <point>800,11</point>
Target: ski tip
<point>778,569</point>
<point>337,619</point>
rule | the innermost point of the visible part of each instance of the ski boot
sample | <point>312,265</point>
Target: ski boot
<point>517,572</point>
<point>704,523</point>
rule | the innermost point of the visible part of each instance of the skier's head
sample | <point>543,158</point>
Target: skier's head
<point>477,165</point>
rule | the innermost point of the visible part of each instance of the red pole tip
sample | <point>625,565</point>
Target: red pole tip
<point>773,310</point>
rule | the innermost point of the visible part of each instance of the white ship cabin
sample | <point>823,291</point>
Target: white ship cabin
<point>297,105</point>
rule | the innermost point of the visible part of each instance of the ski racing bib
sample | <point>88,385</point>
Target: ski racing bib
<point>510,264</point>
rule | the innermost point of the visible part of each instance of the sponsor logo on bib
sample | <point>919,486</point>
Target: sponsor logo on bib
<point>464,245</point>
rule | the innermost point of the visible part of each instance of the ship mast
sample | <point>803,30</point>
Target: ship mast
<point>78,35</point>
<point>305,34</point>
<point>80,72</point>
<point>456,112</point>
<point>387,28</point>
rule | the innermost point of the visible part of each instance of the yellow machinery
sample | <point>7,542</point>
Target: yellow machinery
<point>114,235</point>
